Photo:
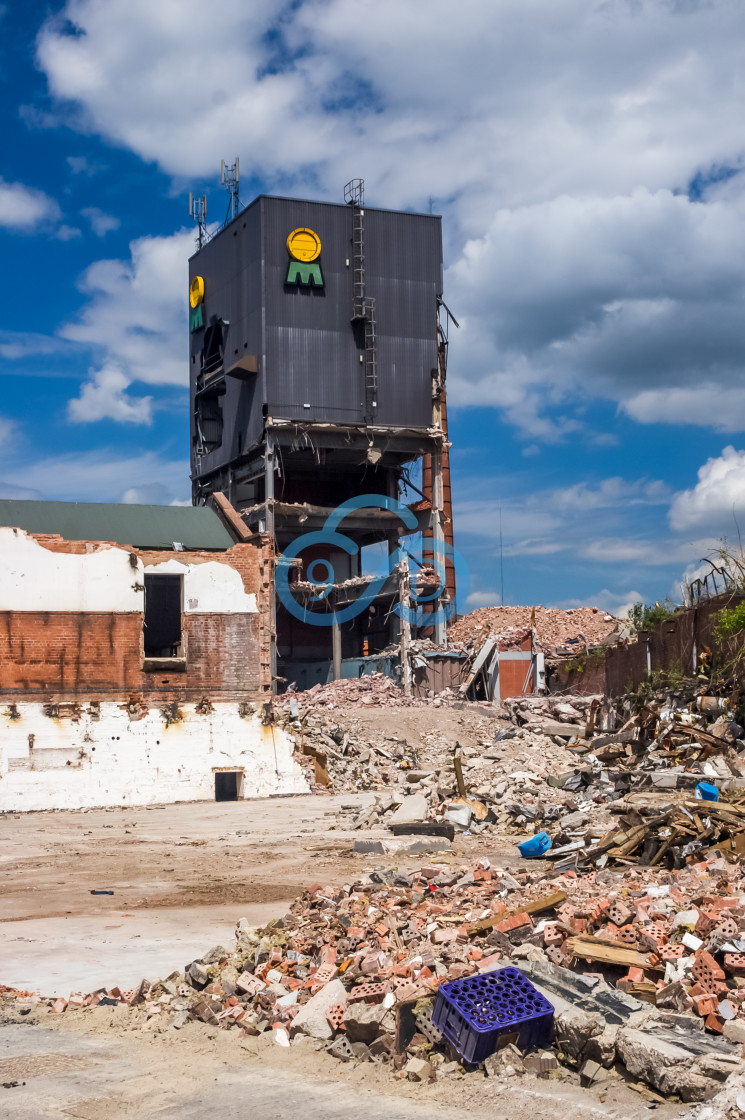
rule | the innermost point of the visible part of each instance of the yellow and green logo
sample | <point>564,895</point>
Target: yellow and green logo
<point>196,311</point>
<point>304,247</point>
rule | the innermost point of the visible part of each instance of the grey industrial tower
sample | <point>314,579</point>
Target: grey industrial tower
<point>317,374</point>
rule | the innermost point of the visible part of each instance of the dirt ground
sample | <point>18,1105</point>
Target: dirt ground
<point>96,1065</point>
<point>182,875</point>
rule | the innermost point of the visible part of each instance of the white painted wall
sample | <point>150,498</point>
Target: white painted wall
<point>117,761</point>
<point>33,578</point>
<point>209,588</point>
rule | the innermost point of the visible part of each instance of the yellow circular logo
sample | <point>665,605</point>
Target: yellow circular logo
<point>196,291</point>
<point>304,245</point>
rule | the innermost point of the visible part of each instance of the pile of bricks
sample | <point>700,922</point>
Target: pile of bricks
<point>556,629</point>
<point>357,967</point>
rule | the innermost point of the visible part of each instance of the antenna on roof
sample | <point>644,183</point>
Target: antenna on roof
<point>198,211</point>
<point>230,177</point>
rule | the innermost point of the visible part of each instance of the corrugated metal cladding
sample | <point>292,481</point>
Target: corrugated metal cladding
<point>310,366</point>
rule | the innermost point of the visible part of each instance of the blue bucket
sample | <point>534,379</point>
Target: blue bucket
<point>536,846</point>
<point>707,792</point>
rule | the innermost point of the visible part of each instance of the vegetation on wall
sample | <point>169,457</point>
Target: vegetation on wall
<point>645,617</point>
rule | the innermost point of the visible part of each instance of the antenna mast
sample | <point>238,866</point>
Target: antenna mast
<point>198,211</point>
<point>230,177</point>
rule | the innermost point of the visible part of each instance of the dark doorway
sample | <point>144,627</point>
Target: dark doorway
<point>226,786</point>
<point>162,615</point>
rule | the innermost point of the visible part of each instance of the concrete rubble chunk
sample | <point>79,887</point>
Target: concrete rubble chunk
<point>573,1030</point>
<point>412,810</point>
<point>364,1021</point>
<point>198,974</point>
<point>416,1069</point>
<point>667,1061</point>
<point>311,1019</point>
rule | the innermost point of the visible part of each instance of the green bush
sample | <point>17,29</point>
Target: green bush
<point>644,617</point>
<point>729,621</point>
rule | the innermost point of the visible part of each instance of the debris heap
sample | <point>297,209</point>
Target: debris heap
<point>635,964</point>
<point>558,631</point>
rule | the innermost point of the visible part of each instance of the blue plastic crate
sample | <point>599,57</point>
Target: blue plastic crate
<point>474,1013</point>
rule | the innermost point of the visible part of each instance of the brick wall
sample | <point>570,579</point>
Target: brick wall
<point>669,647</point>
<point>54,655</point>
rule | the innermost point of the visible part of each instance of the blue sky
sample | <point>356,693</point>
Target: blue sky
<point>586,158</point>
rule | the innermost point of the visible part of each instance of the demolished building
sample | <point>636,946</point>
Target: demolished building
<point>317,372</point>
<point>135,657</point>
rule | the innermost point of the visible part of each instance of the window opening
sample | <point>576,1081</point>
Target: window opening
<point>213,350</point>
<point>209,423</point>
<point>163,597</point>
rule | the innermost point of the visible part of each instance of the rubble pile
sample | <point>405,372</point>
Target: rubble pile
<point>644,967</point>
<point>558,631</point>
<point>374,688</point>
<point>674,772</point>
<point>502,787</point>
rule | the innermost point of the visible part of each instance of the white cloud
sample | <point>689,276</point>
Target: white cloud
<point>150,494</point>
<point>612,602</point>
<point>67,233</point>
<point>546,522</point>
<point>482,599</point>
<point>560,141</point>
<point>135,321</point>
<point>81,165</point>
<point>101,223</point>
<point>634,298</point>
<point>530,97</point>
<point>6,431</point>
<point>717,502</point>
<point>641,552</point>
<point>23,208</point>
<point>104,397</point>
<point>93,476</point>
<point>23,344</point>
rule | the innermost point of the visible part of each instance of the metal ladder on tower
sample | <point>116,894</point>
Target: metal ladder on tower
<point>363,306</point>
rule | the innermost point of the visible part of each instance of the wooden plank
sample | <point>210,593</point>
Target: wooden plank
<point>424,828</point>
<point>547,902</point>
<point>606,951</point>
<point>458,767</point>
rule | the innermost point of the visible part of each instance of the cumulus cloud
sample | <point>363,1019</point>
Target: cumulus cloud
<point>717,502</point>
<point>635,298</point>
<point>101,223</point>
<point>135,320</point>
<point>23,208</point>
<point>104,397</point>
<point>595,208</point>
<point>530,97</point>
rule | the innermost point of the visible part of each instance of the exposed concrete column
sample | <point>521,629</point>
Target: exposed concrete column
<point>336,647</point>
<point>404,596</point>
<point>269,484</point>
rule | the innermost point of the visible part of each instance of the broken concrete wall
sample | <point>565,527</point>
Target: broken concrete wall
<point>73,756</point>
<point>87,720</point>
<point>72,612</point>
